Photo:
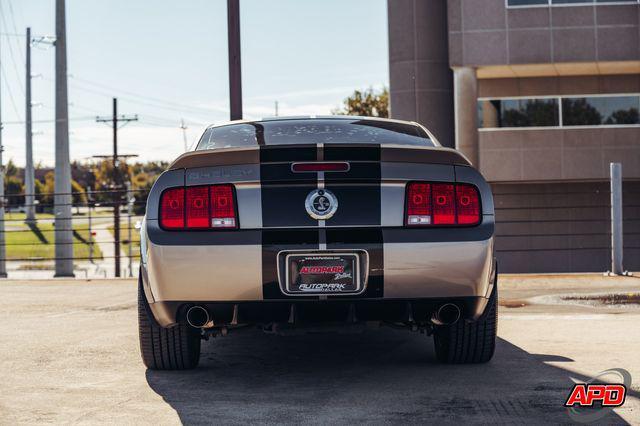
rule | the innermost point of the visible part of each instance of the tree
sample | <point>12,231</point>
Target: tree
<point>10,169</point>
<point>14,191</point>
<point>366,103</point>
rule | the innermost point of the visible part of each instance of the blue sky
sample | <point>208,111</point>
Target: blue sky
<point>166,60</point>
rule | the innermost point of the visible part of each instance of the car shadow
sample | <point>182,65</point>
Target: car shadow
<point>381,376</point>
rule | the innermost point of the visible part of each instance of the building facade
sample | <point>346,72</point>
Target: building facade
<point>541,95</point>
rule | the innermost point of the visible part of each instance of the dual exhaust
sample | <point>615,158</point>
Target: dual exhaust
<point>446,314</point>
<point>198,317</point>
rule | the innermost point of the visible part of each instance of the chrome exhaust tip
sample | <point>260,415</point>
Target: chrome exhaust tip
<point>198,317</point>
<point>446,314</point>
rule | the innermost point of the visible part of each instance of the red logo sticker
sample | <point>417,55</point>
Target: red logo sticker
<point>337,269</point>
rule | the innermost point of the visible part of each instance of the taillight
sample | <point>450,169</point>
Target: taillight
<point>419,204</point>
<point>442,204</point>
<point>172,209</point>
<point>223,211</point>
<point>467,205</point>
<point>198,207</point>
<point>444,208</point>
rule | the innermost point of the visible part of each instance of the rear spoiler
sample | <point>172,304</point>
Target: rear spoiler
<point>346,152</point>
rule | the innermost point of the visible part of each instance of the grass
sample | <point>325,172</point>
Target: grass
<point>38,241</point>
<point>124,236</point>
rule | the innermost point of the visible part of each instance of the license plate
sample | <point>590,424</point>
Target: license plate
<point>321,274</point>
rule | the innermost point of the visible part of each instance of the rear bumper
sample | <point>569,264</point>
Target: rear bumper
<point>313,312</point>
<point>421,274</point>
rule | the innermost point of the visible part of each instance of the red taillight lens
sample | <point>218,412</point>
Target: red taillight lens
<point>467,205</point>
<point>419,204</point>
<point>172,209</point>
<point>444,209</point>
<point>198,207</point>
<point>223,210</point>
<point>442,204</point>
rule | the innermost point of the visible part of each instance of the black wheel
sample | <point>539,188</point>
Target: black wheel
<point>469,343</point>
<point>175,348</point>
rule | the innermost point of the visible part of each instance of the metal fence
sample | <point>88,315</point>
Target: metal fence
<point>98,250</point>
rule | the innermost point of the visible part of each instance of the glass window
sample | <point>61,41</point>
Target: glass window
<point>306,131</point>
<point>598,110</point>
<point>518,113</point>
<point>526,2</point>
<point>571,1</point>
<point>563,2</point>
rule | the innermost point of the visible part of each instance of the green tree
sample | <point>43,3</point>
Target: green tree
<point>14,191</point>
<point>10,169</point>
<point>369,102</point>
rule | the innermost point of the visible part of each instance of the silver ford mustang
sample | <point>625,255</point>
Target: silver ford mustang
<point>334,222</point>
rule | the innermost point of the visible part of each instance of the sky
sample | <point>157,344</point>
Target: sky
<point>166,60</point>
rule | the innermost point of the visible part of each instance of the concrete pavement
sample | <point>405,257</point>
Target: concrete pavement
<point>69,353</point>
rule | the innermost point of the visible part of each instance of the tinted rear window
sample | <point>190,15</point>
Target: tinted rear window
<point>284,132</point>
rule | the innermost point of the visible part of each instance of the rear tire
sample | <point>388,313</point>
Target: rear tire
<point>469,342</point>
<point>175,348</point>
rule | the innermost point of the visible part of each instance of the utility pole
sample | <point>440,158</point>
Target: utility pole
<point>276,108</point>
<point>184,134</point>
<point>117,184</point>
<point>62,186</point>
<point>29,174</point>
<point>3,251</point>
<point>235,70</point>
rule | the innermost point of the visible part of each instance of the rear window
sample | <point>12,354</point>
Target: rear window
<point>284,132</point>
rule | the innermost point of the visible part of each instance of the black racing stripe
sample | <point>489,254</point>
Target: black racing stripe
<point>353,152</point>
<point>358,190</point>
<point>275,241</point>
<point>283,192</point>
<point>283,205</point>
<point>358,204</point>
<point>280,153</point>
<point>369,239</point>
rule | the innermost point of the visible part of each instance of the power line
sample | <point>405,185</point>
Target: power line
<point>13,101</point>
<point>13,23</point>
<point>136,95</point>
<point>87,118</point>
<point>11,53</point>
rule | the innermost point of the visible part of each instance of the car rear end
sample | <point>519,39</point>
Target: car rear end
<point>332,232</point>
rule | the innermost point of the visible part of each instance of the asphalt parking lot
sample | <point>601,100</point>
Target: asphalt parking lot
<point>69,353</point>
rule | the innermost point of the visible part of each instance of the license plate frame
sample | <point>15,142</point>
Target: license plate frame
<point>329,283</point>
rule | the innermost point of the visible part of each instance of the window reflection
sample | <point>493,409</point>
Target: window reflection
<point>600,110</point>
<point>519,113</point>
<point>576,111</point>
<point>563,2</point>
